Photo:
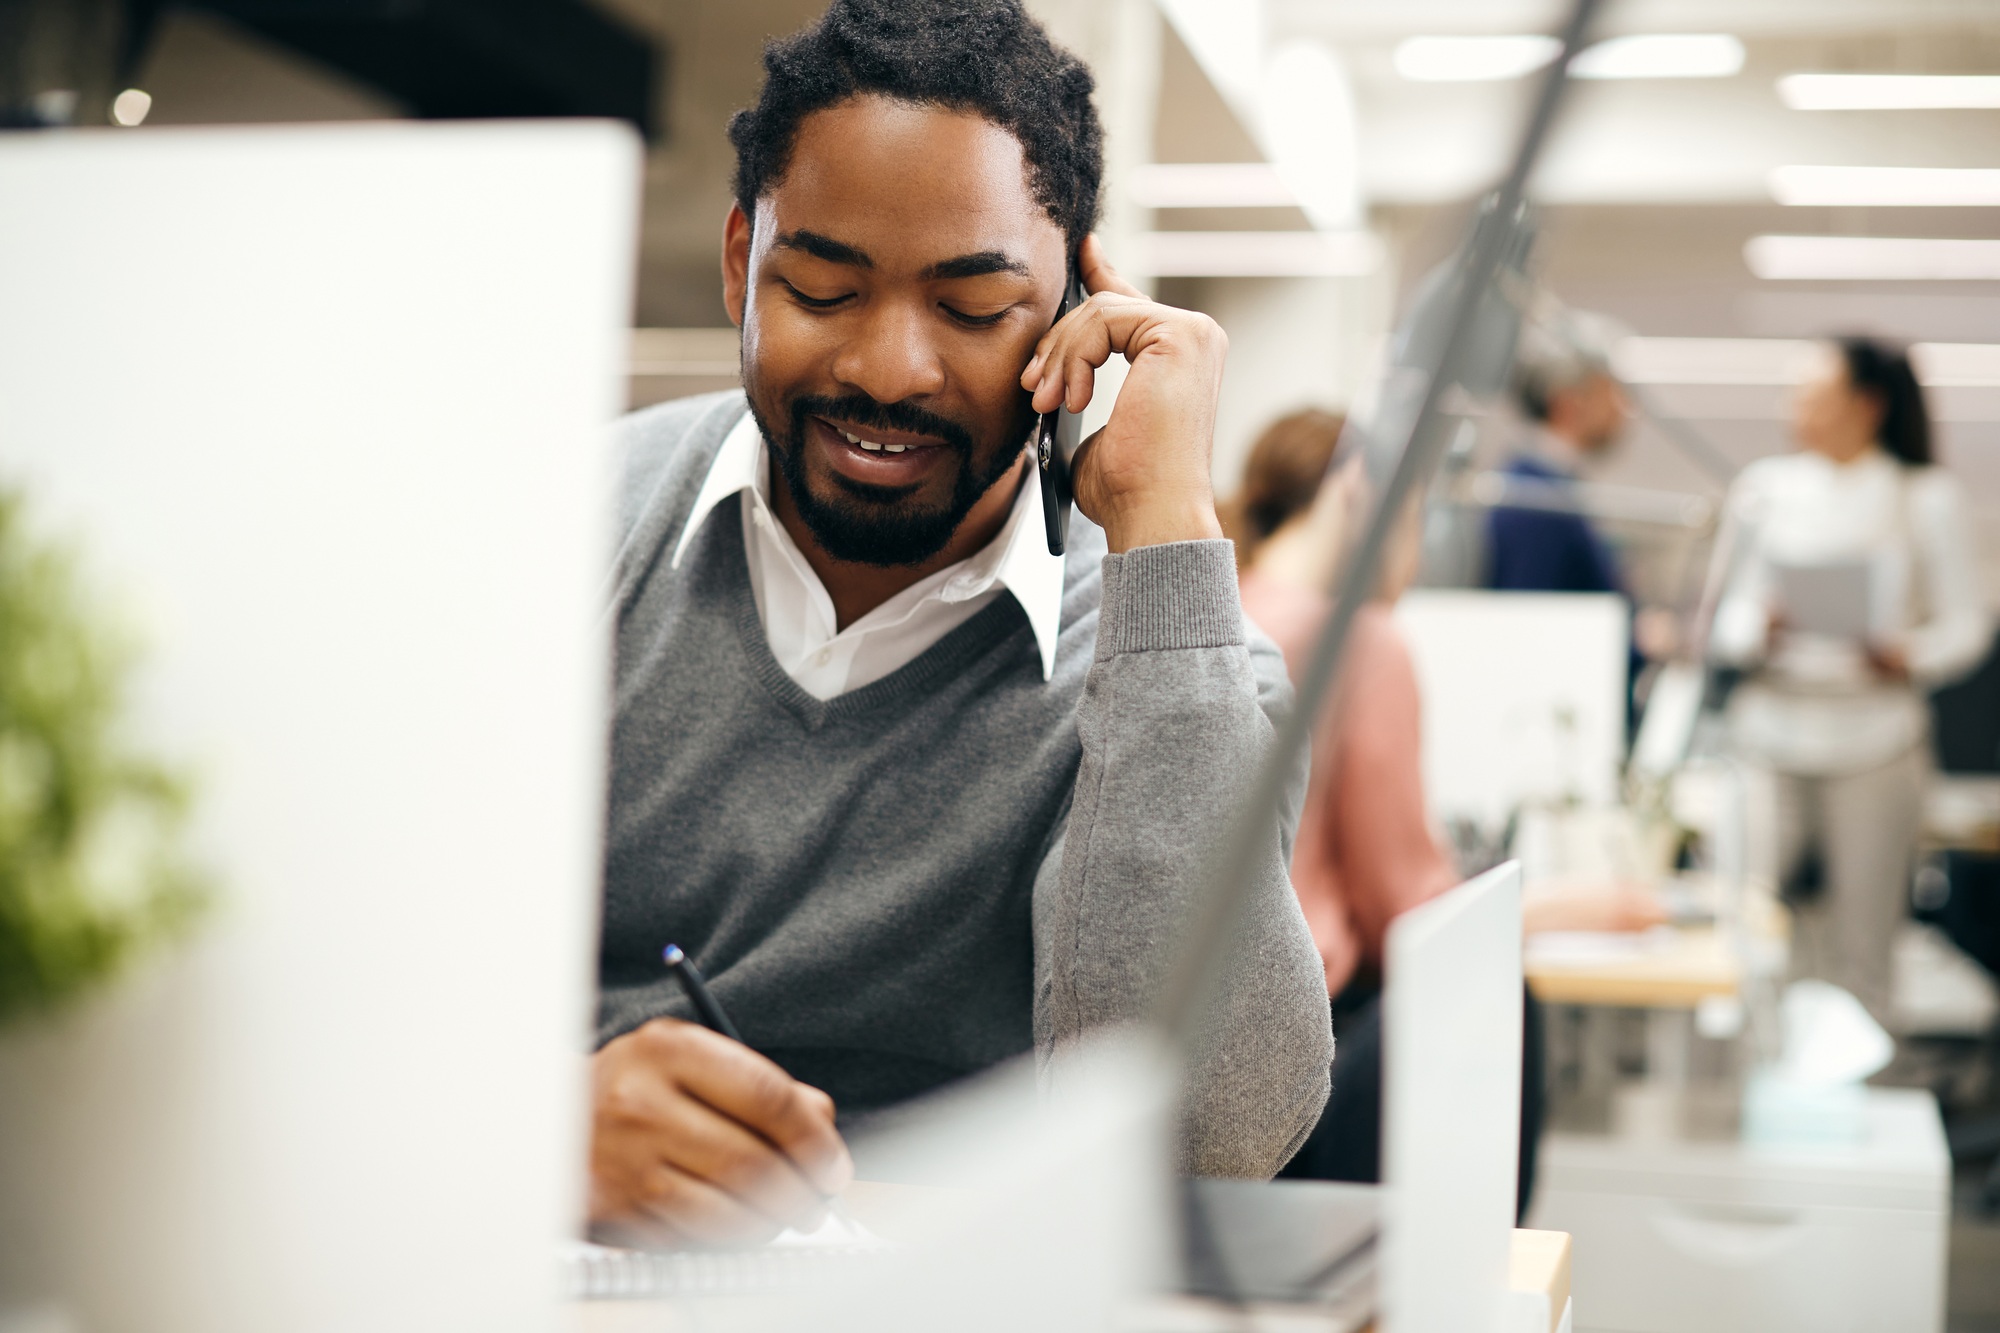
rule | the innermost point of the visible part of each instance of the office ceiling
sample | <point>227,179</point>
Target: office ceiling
<point>1379,18</point>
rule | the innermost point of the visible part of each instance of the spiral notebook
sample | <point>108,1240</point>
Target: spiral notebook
<point>795,1260</point>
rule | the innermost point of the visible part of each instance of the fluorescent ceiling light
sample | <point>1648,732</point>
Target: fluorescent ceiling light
<point>1694,55</point>
<point>1785,361</point>
<point>1872,258</point>
<point>1210,185</point>
<point>1473,59</point>
<point>1957,365</point>
<point>1711,360</point>
<point>1253,254</point>
<point>1889,92</point>
<point>1690,55</point>
<point>1888,187</point>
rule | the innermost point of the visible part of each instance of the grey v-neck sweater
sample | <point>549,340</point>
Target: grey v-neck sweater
<point>910,882</point>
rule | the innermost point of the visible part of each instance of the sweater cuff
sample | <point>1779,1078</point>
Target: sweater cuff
<point>1175,595</point>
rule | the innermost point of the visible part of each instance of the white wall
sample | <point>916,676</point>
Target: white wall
<point>1293,342</point>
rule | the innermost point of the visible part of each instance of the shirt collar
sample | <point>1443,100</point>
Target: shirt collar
<point>738,466</point>
<point>1555,451</point>
<point>1017,559</point>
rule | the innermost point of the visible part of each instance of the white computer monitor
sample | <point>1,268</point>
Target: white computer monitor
<point>1523,695</point>
<point>322,411</point>
<point>1451,1107</point>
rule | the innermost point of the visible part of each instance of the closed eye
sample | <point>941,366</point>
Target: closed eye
<point>813,302</point>
<point>975,321</point>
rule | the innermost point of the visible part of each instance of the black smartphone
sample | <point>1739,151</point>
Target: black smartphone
<point>1056,440</point>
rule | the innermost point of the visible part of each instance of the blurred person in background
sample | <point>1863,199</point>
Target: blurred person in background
<point>1365,852</point>
<point>1840,717</point>
<point>1578,411</point>
<point>1563,384</point>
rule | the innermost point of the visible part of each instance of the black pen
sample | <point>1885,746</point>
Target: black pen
<point>705,1008</point>
<point>710,1012</point>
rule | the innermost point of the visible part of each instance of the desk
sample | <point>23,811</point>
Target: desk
<point>1538,1269</point>
<point>1539,1266</point>
<point>1680,971</point>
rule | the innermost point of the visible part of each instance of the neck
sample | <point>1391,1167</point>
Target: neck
<point>1848,451</point>
<point>1565,442</point>
<point>856,589</point>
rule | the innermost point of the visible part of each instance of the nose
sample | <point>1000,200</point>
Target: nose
<point>891,356</point>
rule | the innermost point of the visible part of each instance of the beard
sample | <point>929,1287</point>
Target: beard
<point>882,525</point>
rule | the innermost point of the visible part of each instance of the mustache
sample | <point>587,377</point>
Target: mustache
<point>860,410</point>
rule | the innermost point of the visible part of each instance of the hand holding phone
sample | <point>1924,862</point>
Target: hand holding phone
<point>1144,476</point>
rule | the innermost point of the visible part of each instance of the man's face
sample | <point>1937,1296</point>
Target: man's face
<point>1592,413</point>
<point>895,282</point>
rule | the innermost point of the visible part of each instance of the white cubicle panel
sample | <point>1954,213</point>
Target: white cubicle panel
<point>1723,1236</point>
<point>1451,1107</point>
<point>322,410</point>
<point>1523,698</point>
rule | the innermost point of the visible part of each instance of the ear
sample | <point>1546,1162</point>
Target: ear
<point>735,263</point>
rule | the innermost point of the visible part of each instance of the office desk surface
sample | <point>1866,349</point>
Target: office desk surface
<point>1677,971</point>
<point>1540,1263</point>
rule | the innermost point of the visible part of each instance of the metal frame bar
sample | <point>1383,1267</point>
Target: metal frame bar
<point>1213,933</point>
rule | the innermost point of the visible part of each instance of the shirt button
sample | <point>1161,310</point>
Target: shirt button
<point>822,657</point>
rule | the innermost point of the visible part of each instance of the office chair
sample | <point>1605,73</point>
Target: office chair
<point>1966,904</point>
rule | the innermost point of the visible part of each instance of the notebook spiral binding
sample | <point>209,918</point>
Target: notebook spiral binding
<point>595,1272</point>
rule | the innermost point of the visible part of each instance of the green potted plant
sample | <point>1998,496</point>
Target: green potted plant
<point>91,866</point>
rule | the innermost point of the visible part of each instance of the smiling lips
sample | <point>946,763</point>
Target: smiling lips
<point>874,447</point>
<point>892,458</point>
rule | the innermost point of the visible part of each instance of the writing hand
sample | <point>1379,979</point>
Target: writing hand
<point>1143,477</point>
<point>696,1139</point>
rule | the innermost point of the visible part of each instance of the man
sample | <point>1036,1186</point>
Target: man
<point>1563,383</point>
<point>917,795</point>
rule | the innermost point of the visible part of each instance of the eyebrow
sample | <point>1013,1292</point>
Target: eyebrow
<point>824,247</point>
<point>976,265</point>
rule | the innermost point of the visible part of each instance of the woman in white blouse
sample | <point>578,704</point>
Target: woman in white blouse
<point>1853,587</point>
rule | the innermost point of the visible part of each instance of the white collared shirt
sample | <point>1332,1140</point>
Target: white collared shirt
<point>798,615</point>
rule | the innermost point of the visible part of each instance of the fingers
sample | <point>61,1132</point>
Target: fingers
<point>1063,372</point>
<point>682,1209</point>
<point>818,1100</point>
<point>753,1091</point>
<point>699,1138</point>
<point>743,1165</point>
<point>1098,275</point>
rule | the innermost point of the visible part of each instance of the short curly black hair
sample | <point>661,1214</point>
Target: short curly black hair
<point>983,56</point>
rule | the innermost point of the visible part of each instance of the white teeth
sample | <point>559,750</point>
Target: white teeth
<point>871,446</point>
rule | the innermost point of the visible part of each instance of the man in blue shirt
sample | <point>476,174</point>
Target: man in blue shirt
<point>1564,385</point>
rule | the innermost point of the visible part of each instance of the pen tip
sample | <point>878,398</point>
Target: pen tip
<point>673,955</point>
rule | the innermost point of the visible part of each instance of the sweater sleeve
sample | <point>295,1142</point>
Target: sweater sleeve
<point>1958,632</point>
<point>1176,716</point>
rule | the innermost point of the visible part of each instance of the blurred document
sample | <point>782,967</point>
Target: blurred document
<point>1830,599</point>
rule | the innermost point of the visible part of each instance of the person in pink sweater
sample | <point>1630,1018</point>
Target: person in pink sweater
<point>1365,852</point>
